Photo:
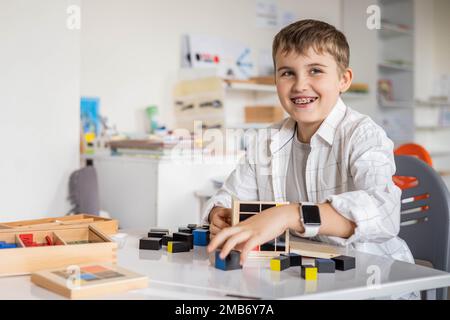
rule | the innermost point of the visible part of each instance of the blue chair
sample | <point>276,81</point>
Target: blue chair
<point>425,215</point>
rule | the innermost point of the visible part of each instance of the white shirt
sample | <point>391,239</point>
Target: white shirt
<point>351,165</point>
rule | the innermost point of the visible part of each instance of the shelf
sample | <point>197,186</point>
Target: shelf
<point>396,104</point>
<point>437,127</point>
<point>390,30</point>
<point>244,86</point>
<point>355,95</point>
<point>394,67</point>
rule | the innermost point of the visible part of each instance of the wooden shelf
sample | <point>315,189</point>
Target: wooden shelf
<point>249,86</point>
<point>391,30</point>
<point>394,67</point>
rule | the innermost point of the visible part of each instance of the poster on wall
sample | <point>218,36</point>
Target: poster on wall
<point>266,13</point>
<point>232,59</point>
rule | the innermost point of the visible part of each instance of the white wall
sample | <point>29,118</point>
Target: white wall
<point>39,108</point>
<point>130,48</point>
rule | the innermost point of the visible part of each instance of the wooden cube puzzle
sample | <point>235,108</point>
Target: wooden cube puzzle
<point>201,237</point>
<point>166,231</point>
<point>184,230</point>
<point>344,263</point>
<point>156,234</point>
<point>295,259</point>
<point>309,273</point>
<point>279,263</point>
<point>150,243</point>
<point>183,236</point>
<point>325,266</point>
<point>166,238</point>
<point>243,210</point>
<point>178,246</point>
<point>231,261</point>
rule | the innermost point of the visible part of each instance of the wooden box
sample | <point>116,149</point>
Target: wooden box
<point>263,114</point>
<point>243,210</point>
<point>72,246</point>
<point>108,226</point>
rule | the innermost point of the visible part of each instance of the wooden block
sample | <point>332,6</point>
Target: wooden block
<point>166,239</point>
<point>309,273</point>
<point>149,243</point>
<point>344,263</point>
<point>325,265</point>
<point>178,246</point>
<point>184,230</point>
<point>294,259</point>
<point>231,262</point>
<point>183,236</point>
<point>279,263</point>
<point>156,234</point>
<point>201,237</point>
<point>165,231</point>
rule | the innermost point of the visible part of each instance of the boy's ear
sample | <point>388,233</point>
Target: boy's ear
<point>346,80</point>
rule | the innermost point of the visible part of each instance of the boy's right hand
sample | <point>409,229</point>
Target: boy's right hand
<point>219,218</point>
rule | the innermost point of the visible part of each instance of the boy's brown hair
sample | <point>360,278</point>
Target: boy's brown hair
<point>321,36</point>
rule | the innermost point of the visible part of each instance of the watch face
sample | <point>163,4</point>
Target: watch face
<point>311,214</point>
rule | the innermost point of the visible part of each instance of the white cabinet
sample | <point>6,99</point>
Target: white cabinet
<point>142,192</point>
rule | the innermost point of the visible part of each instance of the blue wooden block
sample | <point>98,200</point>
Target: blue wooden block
<point>201,237</point>
<point>231,262</point>
<point>8,245</point>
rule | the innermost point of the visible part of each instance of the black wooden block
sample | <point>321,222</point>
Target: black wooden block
<point>183,236</point>
<point>166,238</point>
<point>294,259</point>
<point>268,246</point>
<point>344,263</point>
<point>166,231</point>
<point>325,265</point>
<point>150,243</point>
<point>178,246</point>
<point>155,234</point>
<point>184,230</point>
<point>249,207</point>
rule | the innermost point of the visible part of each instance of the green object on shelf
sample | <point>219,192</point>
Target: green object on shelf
<point>152,112</point>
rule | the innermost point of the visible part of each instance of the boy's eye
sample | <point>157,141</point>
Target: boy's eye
<point>315,71</point>
<point>286,74</point>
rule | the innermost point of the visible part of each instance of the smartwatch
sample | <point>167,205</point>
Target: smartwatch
<point>310,218</point>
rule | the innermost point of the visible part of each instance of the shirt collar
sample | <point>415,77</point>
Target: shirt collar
<point>326,130</point>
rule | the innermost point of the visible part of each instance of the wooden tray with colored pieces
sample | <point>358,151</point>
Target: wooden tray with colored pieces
<point>107,226</point>
<point>78,282</point>
<point>26,251</point>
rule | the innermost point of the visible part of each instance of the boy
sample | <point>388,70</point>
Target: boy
<point>325,154</point>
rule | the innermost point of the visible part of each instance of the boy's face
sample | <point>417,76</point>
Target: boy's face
<point>309,85</point>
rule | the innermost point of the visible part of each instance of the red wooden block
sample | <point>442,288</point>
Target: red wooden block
<point>26,238</point>
<point>49,240</point>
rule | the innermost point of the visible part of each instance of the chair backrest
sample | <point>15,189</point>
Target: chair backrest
<point>425,213</point>
<point>414,149</point>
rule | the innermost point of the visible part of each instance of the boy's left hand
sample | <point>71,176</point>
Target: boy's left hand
<point>252,232</point>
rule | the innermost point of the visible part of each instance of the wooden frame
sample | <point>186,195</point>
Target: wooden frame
<point>24,260</point>
<point>107,226</point>
<point>244,209</point>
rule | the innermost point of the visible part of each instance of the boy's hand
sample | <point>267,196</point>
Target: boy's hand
<point>252,232</point>
<point>219,218</point>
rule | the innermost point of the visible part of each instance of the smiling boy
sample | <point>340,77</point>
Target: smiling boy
<point>326,159</point>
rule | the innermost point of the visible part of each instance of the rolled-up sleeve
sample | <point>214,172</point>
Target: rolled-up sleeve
<point>240,184</point>
<point>374,206</point>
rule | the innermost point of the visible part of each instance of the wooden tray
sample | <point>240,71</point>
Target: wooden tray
<point>68,249</point>
<point>108,226</point>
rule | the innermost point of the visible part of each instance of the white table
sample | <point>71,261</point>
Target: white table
<point>190,276</point>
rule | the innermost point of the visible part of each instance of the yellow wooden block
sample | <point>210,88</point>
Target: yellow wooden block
<point>169,246</point>
<point>275,265</point>
<point>309,273</point>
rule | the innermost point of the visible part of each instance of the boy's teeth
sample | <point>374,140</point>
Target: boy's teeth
<point>303,100</point>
